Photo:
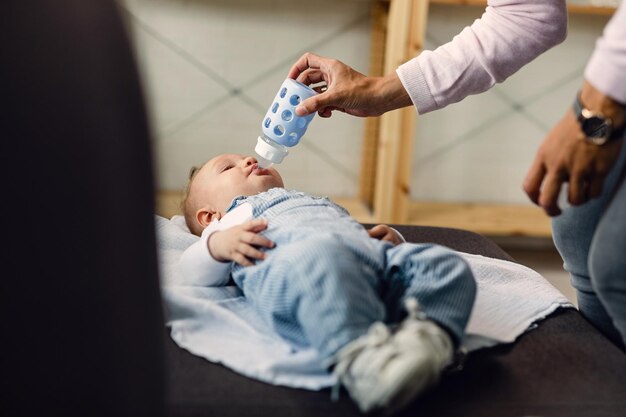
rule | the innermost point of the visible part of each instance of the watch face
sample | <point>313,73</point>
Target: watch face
<point>595,127</point>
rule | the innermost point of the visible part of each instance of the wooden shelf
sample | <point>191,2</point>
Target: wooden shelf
<point>603,11</point>
<point>573,8</point>
<point>486,219</point>
<point>398,29</point>
<point>168,205</point>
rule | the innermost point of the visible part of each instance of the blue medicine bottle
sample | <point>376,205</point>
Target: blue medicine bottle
<point>282,128</point>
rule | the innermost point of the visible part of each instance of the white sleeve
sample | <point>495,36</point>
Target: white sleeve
<point>197,266</point>
<point>606,69</point>
<point>509,34</point>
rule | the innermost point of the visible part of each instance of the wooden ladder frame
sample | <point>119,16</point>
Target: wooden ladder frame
<point>398,32</point>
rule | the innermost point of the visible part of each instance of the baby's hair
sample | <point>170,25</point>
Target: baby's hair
<point>188,207</point>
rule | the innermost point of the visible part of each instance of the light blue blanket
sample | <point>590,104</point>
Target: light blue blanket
<point>219,325</point>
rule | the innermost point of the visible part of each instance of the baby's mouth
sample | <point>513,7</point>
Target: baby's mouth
<point>256,170</point>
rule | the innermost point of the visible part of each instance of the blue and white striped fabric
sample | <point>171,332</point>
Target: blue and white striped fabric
<point>326,281</point>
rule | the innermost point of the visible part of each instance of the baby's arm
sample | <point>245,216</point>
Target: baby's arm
<point>239,243</point>
<point>384,232</point>
<point>207,262</point>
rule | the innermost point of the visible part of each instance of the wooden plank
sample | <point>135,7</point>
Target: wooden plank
<point>416,40</point>
<point>482,3</point>
<point>406,31</point>
<point>391,122</point>
<point>168,205</point>
<point>597,10</point>
<point>486,219</point>
<point>369,154</point>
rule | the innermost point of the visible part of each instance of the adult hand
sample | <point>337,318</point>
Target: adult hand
<point>240,243</point>
<point>566,156</point>
<point>384,232</point>
<point>346,89</point>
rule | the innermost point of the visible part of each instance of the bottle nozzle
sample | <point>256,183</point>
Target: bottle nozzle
<point>264,163</point>
<point>269,152</point>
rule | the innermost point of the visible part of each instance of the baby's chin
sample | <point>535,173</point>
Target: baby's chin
<point>268,187</point>
<point>266,182</point>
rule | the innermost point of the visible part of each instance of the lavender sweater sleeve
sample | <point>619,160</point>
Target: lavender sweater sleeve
<point>606,69</point>
<point>509,34</point>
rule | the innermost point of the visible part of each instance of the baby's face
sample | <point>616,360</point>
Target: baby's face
<point>228,176</point>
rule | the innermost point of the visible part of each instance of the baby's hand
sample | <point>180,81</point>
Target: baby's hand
<point>239,243</point>
<point>384,232</point>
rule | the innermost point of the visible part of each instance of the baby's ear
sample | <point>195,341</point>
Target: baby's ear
<point>206,215</point>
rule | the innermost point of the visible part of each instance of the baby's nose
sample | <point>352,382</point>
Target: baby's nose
<point>249,161</point>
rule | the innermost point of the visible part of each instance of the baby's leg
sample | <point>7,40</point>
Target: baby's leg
<point>388,369</point>
<point>315,292</point>
<point>439,279</point>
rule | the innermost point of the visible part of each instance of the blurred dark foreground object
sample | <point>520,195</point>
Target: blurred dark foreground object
<point>81,315</point>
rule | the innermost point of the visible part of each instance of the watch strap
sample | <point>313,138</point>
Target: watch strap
<point>581,117</point>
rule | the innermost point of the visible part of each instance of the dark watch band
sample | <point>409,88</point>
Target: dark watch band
<point>598,129</point>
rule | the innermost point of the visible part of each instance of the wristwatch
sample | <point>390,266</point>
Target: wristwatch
<point>598,129</point>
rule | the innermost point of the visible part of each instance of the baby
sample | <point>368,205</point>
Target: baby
<point>320,280</point>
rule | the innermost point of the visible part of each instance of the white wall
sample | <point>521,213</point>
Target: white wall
<point>480,149</point>
<point>211,68</point>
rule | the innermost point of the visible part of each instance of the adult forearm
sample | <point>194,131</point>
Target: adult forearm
<point>510,34</point>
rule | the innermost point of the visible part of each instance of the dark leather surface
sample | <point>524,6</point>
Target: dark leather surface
<point>456,239</point>
<point>563,368</point>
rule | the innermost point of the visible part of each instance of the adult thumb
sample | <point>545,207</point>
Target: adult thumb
<point>311,105</point>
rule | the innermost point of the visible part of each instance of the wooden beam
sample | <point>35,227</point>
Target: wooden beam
<point>405,37</point>
<point>486,219</point>
<point>369,153</point>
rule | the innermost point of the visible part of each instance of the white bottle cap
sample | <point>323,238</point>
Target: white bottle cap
<point>269,152</point>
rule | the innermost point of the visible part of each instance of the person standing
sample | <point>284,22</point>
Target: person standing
<point>585,149</point>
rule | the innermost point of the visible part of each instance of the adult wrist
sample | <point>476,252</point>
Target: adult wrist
<point>598,102</point>
<point>600,117</point>
<point>394,95</point>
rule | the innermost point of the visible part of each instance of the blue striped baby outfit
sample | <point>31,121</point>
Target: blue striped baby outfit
<point>326,281</point>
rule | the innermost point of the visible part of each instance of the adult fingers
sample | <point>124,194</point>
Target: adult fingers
<point>533,180</point>
<point>596,185</point>
<point>578,189</point>
<point>326,112</point>
<point>550,193</point>
<point>308,60</point>
<point>315,103</point>
<point>311,76</point>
